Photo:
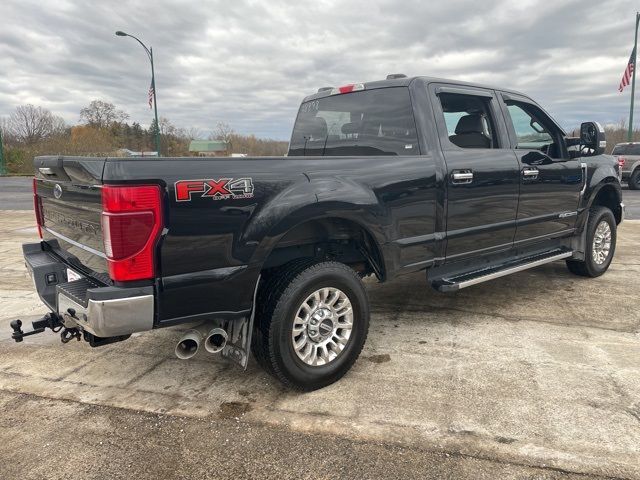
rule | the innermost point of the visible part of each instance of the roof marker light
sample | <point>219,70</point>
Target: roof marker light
<point>352,87</point>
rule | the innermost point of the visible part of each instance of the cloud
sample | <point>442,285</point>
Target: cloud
<point>249,63</point>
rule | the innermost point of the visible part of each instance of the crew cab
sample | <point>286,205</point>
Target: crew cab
<point>464,182</point>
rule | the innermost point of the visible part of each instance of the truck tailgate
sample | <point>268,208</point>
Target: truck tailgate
<point>69,190</point>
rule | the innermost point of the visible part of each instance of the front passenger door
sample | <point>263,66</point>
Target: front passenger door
<point>550,182</point>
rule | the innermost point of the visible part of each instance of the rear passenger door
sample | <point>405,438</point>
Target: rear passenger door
<point>482,171</point>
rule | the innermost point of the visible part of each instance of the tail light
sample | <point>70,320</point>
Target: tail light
<point>37,207</point>
<point>621,161</point>
<point>131,225</point>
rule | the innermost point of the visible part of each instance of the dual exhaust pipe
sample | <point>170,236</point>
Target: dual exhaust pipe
<point>214,340</point>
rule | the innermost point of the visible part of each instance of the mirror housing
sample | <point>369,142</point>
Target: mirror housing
<point>592,137</point>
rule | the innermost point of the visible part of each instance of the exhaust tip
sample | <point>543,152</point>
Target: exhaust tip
<point>188,345</point>
<point>215,341</point>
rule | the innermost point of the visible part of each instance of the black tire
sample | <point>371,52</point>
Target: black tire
<point>634,180</point>
<point>279,299</point>
<point>588,267</point>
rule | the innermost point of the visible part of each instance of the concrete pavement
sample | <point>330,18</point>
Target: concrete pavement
<point>530,376</point>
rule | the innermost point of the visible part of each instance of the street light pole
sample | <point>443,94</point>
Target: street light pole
<point>149,52</point>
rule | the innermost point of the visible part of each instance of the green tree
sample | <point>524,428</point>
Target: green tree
<point>152,132</point>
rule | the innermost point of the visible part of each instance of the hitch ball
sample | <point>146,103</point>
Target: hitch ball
<point>17,334</point>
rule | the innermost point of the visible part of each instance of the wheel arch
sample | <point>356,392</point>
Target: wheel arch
<point>328,236</point>
<point>608,194</point>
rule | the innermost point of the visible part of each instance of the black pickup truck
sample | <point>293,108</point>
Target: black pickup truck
<point>465,182</point>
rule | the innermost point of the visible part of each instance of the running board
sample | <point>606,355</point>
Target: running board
<point>464,280</point>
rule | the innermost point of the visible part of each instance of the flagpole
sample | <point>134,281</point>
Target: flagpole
<point>155,104</point>
<point>633,81</point>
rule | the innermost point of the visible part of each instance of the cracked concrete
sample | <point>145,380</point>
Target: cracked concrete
<point>530,376</point>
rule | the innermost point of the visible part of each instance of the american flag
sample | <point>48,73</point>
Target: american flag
<point>151,95</point>
<point>628,72</point>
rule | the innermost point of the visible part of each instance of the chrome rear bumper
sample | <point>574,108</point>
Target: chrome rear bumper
<point>108,318</point>
<point>102,310</point>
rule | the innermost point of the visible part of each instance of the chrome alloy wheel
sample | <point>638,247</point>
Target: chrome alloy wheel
<point>601,243</point>
<point>322,326</point>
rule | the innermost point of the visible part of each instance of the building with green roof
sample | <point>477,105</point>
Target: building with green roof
<point>209,148</point>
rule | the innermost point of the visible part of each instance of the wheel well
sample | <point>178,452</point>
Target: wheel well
<point>607,196</point>
<point>336,239</point>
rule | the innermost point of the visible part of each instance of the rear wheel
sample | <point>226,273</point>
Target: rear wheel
<point>634,180</point>
<point>601,244</point>
<point>312,322</point>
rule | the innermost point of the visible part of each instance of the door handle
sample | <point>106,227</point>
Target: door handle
<point>462,176</point>
<point>530,172</point>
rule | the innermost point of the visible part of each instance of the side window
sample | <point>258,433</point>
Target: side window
<point>534,131</point>
<point>469,120</point>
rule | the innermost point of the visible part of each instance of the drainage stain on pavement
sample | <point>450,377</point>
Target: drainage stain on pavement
<point>379,358</point>
<point>233,409</point>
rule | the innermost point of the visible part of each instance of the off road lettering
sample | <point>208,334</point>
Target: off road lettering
<point>216,189</point>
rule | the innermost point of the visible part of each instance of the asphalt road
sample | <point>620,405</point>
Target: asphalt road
<point>15,194</point>
<point>531,376</point>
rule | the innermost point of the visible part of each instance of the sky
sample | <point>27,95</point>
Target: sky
<point>250,63</point>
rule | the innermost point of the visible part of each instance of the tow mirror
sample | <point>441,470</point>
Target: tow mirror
<point>592,137</point>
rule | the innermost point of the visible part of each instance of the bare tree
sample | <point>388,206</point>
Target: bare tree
<point>30,124</point>
<point>166,127</point>
<point>193,133</point>
<point>7,136</point>
<point>222,132</point>
<point>101,114</point>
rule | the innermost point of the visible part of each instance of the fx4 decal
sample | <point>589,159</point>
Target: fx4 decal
<point>222,189</point>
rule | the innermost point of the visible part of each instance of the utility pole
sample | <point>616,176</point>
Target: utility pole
<point>633,81</point>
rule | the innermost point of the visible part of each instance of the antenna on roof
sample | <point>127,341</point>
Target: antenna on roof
<point>396,75</point>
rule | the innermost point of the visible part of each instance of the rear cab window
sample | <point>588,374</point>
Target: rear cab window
<point>370,122</point>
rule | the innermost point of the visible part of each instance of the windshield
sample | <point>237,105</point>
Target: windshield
<point>370,122</point>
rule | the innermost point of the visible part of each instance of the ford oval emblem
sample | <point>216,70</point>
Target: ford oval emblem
<point>57,191</point>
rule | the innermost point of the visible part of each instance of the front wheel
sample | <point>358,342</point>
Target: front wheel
<point>312,322</point>
<point>601,244</point>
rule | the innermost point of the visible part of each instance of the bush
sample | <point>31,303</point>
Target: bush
<point>18,161</point>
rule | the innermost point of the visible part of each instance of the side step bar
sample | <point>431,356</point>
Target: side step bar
<point>472,278</point>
